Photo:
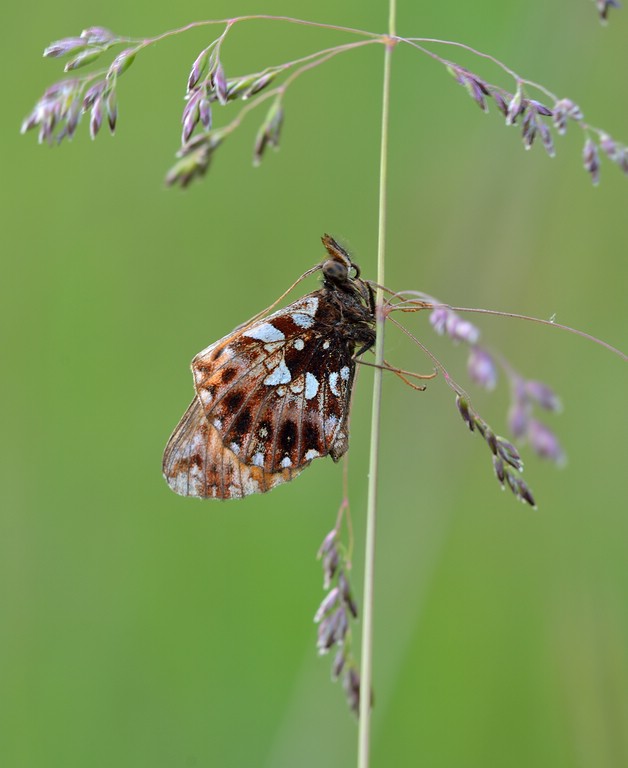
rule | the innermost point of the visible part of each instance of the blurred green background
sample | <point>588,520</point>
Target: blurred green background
<point>143,629</point>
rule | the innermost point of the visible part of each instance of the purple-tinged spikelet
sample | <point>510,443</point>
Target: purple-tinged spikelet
<point>65,46</point>
<point>481,367</point>
<point>604,6</point>
<point>198,68</point>
<point>269,132</point>
<point>88,56</point>
<point>544,442</point>
<point>95,120</point>
<point>515,107</point>
<point>334,617</point>
<point>542,395</point>
<point>447,322</point>
<point>591,160</point>
<point>121,63</point>
<point>98,36</point>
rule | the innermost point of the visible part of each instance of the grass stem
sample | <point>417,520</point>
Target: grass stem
<point>366,659</point>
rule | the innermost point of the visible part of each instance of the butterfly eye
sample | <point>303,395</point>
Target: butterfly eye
<point>335,271</point>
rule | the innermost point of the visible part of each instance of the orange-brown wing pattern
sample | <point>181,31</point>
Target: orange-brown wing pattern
<point>278,391</point>
<point>197,463</point>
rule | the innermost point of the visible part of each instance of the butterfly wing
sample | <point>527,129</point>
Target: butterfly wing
<point>277,391</point>
<point>197,463</point>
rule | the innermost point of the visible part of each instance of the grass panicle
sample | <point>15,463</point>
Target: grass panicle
<point>210,84</point>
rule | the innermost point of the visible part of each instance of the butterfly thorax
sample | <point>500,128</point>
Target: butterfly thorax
<point>347,311</point>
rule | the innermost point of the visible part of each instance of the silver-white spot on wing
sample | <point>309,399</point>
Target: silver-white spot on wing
<point>302,319</point>
<point>344,373</point>
<point>333,383</point>
<point>311,386</point>
<point>280,375</point>
<point>331,422</point>
<point>303,316</point>
<point>310,305</point>
<point>265,332</point>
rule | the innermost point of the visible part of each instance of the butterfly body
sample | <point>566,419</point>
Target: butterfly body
<point>274,395</point>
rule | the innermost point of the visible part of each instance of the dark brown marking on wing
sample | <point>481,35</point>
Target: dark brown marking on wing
<point>233,400</point>
<point>240,425</point>
<point>228,374</point>
<point>287,436</point>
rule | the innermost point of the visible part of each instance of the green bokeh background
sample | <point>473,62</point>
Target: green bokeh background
<point>142,629</point>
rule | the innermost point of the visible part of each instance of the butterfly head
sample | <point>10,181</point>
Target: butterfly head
<point>337,267</point>
<point>337,274</point>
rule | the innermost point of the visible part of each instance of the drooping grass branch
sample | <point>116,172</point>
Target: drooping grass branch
<point>59,111</point>
<point>526,395</point>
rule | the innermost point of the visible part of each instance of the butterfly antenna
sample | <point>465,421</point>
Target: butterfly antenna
<point>264,312</point>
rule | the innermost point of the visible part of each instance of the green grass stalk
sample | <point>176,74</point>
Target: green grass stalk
<point>366,657</point>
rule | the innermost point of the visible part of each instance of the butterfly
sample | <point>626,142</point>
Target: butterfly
<point>274,394</point>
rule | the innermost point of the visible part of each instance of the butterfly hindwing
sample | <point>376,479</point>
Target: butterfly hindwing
<point>196,463</point>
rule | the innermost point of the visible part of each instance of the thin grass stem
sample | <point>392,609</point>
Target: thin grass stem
<point>251,17</point>
<point>366,656</point>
